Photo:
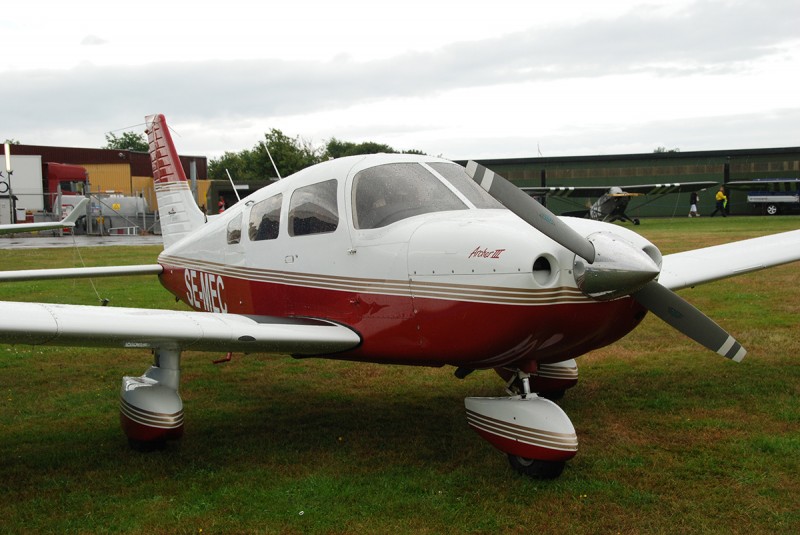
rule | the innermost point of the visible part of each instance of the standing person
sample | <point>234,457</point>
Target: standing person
<point>727,206</point>
<point>722,200</point>
<point>694,198</point>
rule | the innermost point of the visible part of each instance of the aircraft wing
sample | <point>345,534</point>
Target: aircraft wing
<point>80,273</point>
<point>96,326</point>
<point>597,191</point>
<point>67,222</point>
<point>690,268</point>
<point>567,191</point>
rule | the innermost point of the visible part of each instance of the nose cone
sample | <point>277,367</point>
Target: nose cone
<point>619,268</point>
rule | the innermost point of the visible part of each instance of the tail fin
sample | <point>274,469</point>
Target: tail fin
<point>177,208</point>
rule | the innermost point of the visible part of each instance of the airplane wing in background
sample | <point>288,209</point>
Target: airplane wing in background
<point>67,222</point>
<point>597,191</point>
<point>95,326</point>
<point>690,268</point>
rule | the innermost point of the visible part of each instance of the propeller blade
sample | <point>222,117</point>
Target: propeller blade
<point>531,211</point>
<point>687,319</point>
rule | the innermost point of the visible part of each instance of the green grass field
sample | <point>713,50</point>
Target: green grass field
<point>673,439</point>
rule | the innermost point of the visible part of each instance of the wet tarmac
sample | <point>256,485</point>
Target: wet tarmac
<point>42,242</point>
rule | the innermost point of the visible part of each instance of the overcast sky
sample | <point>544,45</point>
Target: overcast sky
<point>460,79</point>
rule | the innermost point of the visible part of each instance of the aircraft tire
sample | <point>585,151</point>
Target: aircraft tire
<point>147,446</point>
<point>535,468</point>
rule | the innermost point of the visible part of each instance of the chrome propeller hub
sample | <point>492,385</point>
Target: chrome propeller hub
<point>619,267</point>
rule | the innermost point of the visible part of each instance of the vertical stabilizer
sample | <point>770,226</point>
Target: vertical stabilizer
<point>177,208</point>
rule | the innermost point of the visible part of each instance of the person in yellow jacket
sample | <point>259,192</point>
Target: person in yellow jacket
<point>722,200</point>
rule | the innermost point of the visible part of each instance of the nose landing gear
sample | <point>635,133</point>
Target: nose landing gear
<point>534,432</point>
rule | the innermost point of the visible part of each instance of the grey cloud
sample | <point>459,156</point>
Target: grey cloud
<point>709,37</point>
<point>756,130</point>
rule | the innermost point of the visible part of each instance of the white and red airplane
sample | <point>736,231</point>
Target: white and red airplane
<point>393,258</point>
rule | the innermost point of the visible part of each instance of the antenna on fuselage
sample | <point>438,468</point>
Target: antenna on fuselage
<point>233,186</point>
<point>273,163</point>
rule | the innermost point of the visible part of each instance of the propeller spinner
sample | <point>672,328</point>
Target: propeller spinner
<point>608,266</point>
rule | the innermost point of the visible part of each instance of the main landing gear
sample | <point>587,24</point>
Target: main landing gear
<point>151,410</point>
<point>534,432</point>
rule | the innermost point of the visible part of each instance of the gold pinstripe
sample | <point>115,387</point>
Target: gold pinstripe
<point>427,289</point>
<point>149,418</point>
<point>557,372</point>
<point>520,433</point>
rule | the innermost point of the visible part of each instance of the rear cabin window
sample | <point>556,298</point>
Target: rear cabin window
<point>235,230</point>
<point>388,193</point>
<point>313,209</point>
<point>265,217</point>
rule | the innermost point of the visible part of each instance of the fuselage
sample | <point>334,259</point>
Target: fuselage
<point>609,207</point>
<point>409,253</point>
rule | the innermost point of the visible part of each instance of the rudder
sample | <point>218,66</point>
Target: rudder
<point>177,208</point>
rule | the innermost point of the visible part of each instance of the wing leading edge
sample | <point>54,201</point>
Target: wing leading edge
<point>690,268</point>
<point>80,273</point>
<point>79,325</point>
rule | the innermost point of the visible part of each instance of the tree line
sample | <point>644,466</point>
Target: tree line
<point>291,154</point>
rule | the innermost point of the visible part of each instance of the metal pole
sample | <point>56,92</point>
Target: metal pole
<point>9,172</point>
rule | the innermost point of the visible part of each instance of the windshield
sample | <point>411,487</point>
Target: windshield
<point>385,194</point>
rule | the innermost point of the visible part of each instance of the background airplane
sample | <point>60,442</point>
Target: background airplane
<point>400,259</point>
<point>612,201</point>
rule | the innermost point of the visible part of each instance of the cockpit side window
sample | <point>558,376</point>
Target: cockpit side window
<point>265,219</point>
<point>388,193</point>
<point>313,209</point>
<point>459,179</point>
<point>235,230</point>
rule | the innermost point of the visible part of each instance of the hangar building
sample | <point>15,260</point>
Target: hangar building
<point>654,168</point>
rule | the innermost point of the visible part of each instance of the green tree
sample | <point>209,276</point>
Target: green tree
<point>236,163</point>
<point>336,148</point>
<point>664,149</point>
<point>127,141</point>
<point>290,155</point>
